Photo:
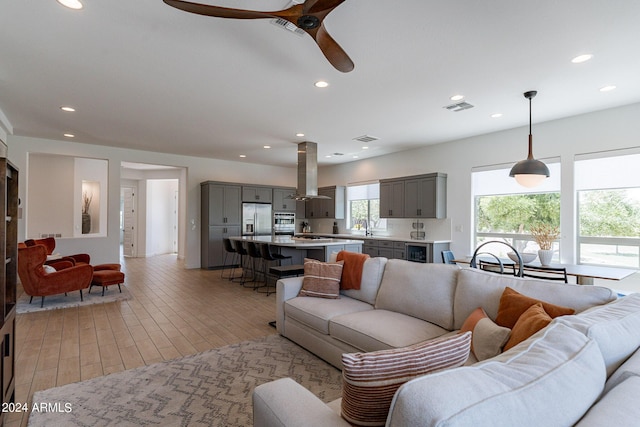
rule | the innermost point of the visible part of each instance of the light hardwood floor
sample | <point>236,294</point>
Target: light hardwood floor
<point>174,312</point>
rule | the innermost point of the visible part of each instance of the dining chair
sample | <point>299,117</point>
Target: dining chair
<point>448,257</point>
<point>497,267</point>
<point>546,273</point>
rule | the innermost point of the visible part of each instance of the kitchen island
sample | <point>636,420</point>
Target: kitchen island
<point>298,248</point>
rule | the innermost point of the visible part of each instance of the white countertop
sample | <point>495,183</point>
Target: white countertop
<point>363,237</point>
<point>298,243</point>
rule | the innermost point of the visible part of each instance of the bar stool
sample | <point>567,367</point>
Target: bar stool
<point>269,257</point>
<point>242,252</point>
<point>256,261</point>
<point>229,251</point>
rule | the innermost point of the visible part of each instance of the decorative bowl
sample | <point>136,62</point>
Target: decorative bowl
<point>526,257</point>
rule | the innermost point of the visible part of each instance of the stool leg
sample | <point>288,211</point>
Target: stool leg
<point>119,288</point>
<point>81,298</point>
<point>42,302</point>
<point>103,290</point>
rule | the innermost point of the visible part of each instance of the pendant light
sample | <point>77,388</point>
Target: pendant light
<point>530,172</point>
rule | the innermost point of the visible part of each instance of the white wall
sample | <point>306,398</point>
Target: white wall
<point>106,249</point>
<point>600,131</point>
<point>160,216</point>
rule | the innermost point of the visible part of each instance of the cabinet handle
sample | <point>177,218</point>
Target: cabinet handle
<point>7,345</point>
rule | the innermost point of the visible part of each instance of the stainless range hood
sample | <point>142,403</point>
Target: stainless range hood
<point>308,172</point>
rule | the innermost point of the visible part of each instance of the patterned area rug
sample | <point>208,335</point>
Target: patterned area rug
<point>207,389</point>
<point>72,299</point>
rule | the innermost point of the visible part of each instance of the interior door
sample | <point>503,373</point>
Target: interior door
<point>128,222</point>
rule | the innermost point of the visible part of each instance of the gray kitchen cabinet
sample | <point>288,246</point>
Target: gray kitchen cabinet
<point>333,208</point>
<point>426,196</point>
<point>220,214</point>
<point>257,194</point>
<point>282,200</point>
<point>425,252</point>
<point>420,196</point>
<point>384,248</point>
<point>392,198</point>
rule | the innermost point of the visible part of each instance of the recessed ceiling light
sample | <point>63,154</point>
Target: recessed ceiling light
<point>71,4</point>
<point>582,58</point>
<point>607,88</point>
<point>266,147</point>
<point>69,135</point>
<point>300,134</point>
<point>328,156</point>
<point>496,115</point>
<point>242,156</point>
<point>365,148</point>
<point>457,97</point>
<point>356,157</point>
<point>321,84</point>
<point>67,108</point>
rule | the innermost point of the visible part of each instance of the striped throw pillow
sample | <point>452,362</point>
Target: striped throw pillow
<point>321,279</point>
<point>369,380</point>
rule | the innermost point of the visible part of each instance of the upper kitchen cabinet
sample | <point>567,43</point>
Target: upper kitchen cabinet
<point>257,194</point>
<point>426,196</point>
<point>220,204</point>
<point>392,198</point>
<point>283,201</point>
<point>333,207</point>
<point>420,196</point>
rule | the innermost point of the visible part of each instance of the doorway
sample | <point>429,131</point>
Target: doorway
<point>152,208</point>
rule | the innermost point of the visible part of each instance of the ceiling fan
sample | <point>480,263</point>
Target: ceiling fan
<point>307,15</point>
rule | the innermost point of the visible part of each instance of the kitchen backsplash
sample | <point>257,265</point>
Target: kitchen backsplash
<point>435,229</point>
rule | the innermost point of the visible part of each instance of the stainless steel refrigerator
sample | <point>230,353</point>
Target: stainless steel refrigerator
<point>257,219</point>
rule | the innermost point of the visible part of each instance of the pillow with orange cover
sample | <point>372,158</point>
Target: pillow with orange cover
<point>531,321</point>
<point>513,304</point>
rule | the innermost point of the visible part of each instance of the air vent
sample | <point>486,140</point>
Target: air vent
<point>459,106</point>
<point>283,23</point>
<point>366,138</point>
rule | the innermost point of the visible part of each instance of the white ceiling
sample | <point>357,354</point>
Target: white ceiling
<point>146,76</point>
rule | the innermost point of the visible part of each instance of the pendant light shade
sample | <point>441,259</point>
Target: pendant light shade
<point>530,172</point>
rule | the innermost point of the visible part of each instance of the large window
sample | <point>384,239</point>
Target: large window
<point>608,209</point>
<point>364,208</point>
<point>504,211</point>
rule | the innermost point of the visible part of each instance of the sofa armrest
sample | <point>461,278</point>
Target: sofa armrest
<point>284,402</point>
<point>285,290</point>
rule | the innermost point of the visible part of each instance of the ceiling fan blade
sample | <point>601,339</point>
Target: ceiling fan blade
<point>220,12</point>
<point>332,50</point>
<point>315,6</point>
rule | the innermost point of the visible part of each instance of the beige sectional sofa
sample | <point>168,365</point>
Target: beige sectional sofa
<point>574,371</point>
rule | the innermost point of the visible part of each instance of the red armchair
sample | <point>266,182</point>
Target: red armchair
<point>38,283</point>
<point>50,244</point>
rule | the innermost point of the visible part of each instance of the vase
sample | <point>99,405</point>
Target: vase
<point>545,256</point>
<point>86,223</point>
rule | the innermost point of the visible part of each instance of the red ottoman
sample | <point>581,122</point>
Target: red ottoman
<point>105,275</point>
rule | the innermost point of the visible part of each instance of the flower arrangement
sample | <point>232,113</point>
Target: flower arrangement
<point>544,235</point>
<point>86,202</point>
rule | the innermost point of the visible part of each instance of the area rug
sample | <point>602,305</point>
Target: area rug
<point>212,388</point>
<point>55,302</point>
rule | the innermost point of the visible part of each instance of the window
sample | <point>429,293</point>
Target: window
<point>504,210</point>
<point>364,208</point>
<point>608,209</point>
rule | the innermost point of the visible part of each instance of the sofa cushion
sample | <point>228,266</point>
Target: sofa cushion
<point>372,272</point>
<point>530,322</point>
<point>487,338</point>
<point>513,304</point>
<point>381,329</point>
<point>549,380</point>
<point>321,279</point>
<point>424,291</point>
<point>371,379</point>
<point>316,312</point>
<point>619,407</point>
<point>613,326</point>
<point>477,288</point>
<point>627,369</point>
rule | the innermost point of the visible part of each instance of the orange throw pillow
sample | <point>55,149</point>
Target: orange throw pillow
<point>513,304</point>
<point>531,321</point>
